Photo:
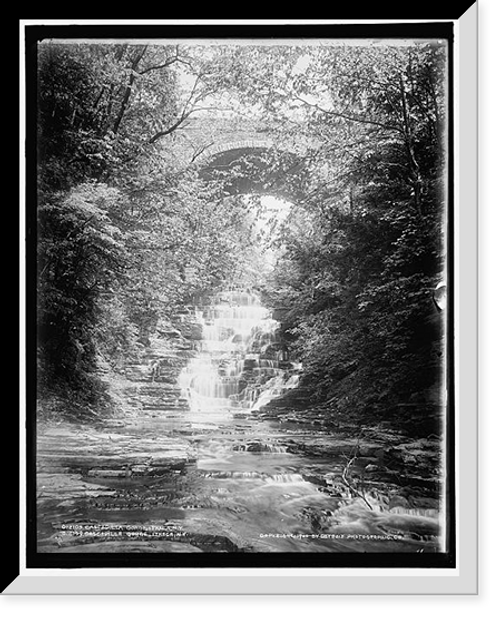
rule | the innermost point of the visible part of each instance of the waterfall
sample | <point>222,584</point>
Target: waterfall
<point>241,363</point>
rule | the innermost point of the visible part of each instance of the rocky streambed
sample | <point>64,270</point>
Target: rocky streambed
<point>161,475</point>
<point>178,481</point>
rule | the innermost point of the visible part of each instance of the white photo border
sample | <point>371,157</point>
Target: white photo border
<point>460,580</point>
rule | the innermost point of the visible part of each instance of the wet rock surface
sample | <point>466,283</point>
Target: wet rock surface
<point>164,475</point>
<point>187,482</point>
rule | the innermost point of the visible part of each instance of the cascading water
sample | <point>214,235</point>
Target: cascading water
<point>241,365</point>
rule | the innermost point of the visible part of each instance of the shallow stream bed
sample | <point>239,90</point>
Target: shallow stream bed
<point>213,481</point>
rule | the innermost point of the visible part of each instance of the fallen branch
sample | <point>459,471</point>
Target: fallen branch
<point>352,488</point>
<point>345,477</point>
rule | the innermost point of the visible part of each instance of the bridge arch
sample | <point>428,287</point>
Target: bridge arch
<point>249,143</point>
<point>256,167</point>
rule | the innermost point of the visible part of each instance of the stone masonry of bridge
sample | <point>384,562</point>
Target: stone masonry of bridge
<point>243,144</point>
<point>209,139</point>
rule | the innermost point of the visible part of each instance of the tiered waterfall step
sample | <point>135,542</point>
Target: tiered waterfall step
<point>153,379</point>
<point>156,396</point>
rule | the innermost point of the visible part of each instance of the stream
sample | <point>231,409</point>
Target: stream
<point>219,474</point>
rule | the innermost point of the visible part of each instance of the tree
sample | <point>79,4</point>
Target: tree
<point>363,245</point>
<point>81,258</point>
<point>127,235</point>
<point>359,295</point>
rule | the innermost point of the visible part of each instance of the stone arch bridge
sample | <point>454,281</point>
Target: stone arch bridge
<point>248,160</point>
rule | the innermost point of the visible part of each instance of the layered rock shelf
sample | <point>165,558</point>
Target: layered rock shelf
<point>246,468</point>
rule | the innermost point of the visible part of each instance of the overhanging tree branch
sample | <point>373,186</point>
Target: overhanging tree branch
<point>128,90</point>
<point>168,61</point>
<point>350,117</point>
<point>170,129</point>
<point>189,108</point>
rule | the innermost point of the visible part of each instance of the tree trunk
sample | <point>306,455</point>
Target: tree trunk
<point>416,179</point>
<point>128,90</point>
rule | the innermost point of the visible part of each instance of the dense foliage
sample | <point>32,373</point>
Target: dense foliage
<point>359,285</point>
<point>128,231</point>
